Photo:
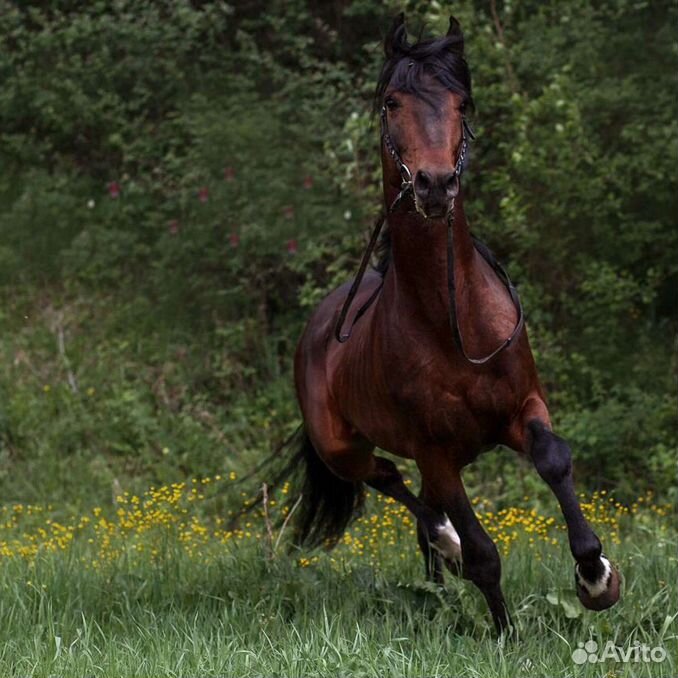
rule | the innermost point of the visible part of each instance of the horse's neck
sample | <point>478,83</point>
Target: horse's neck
<point>417,282</point>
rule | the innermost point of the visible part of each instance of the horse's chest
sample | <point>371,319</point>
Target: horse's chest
<point>444,404</point>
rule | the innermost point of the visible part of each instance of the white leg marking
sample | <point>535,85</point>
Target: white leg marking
<point>448,542</point>
<point>596,588</point>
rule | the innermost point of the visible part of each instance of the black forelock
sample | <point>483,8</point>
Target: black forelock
<point>404,70</point>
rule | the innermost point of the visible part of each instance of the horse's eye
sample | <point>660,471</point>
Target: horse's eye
<point>391,103</point>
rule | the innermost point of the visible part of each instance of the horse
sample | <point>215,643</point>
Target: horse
<point>435,365</point>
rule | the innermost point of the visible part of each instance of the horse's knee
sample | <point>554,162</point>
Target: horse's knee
<point>550,454</point>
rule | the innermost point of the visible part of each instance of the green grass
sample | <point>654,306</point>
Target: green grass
<point>153,411</point>
<point>209,607</point>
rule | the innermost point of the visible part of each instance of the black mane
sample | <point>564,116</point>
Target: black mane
<point>405,69</point>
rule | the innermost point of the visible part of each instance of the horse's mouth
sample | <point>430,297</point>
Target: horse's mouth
<point>436,214</point>
<point>432,211</point>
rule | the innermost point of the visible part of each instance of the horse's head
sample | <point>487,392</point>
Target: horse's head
<point>422,94</point>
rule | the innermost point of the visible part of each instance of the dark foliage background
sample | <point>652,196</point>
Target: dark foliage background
<point>180,182</point>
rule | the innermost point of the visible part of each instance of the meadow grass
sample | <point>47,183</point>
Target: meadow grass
<point>160,585</point>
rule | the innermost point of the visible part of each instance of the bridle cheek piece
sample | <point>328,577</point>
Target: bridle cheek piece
<point>406,179</point>
<point>406,187</point>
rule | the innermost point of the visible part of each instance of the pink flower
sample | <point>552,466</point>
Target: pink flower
<point>292,246</point>
<point>173,227</point>
<point>114,189</point>
<point>204,194</point>
<point>308,182</point>
<point>229,174</point>
<point>234,240</point>
<point>288,211</point>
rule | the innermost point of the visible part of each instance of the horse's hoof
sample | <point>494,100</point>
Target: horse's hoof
<point>601,594</point>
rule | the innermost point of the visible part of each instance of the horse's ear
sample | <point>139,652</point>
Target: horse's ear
<point>396,40</point>
<point>457,37</point>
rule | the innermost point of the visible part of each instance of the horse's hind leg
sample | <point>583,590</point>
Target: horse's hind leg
<point>437,538</point>
<point>350,458</point>
<point>480,559</point>
<point>597,581</point>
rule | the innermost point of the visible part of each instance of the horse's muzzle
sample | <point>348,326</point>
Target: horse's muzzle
<point>435,192</point>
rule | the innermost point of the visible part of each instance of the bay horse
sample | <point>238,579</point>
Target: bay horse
<point>405,381</point>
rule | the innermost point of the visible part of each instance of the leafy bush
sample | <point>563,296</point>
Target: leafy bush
<point>182,182</point>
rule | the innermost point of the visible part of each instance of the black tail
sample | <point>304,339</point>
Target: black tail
<point>328,503</point>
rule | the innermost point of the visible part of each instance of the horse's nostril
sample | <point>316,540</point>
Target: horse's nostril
<point>422,182</point>
<point>452,184</point>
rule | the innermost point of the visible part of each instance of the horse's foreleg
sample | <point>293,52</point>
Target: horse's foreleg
<point>596,579</point>
<point>442,545</point>
<point>437,538</point>
<point>480,558</point>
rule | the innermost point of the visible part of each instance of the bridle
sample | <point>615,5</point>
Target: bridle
<point>406,187</point>
<point>407,183</point>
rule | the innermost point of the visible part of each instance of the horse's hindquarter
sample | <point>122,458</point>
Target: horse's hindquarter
<point>333,378</point>
<point>343,388</point>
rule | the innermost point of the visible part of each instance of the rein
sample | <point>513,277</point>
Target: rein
<point>406,187</point>
<point>501,274</point>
